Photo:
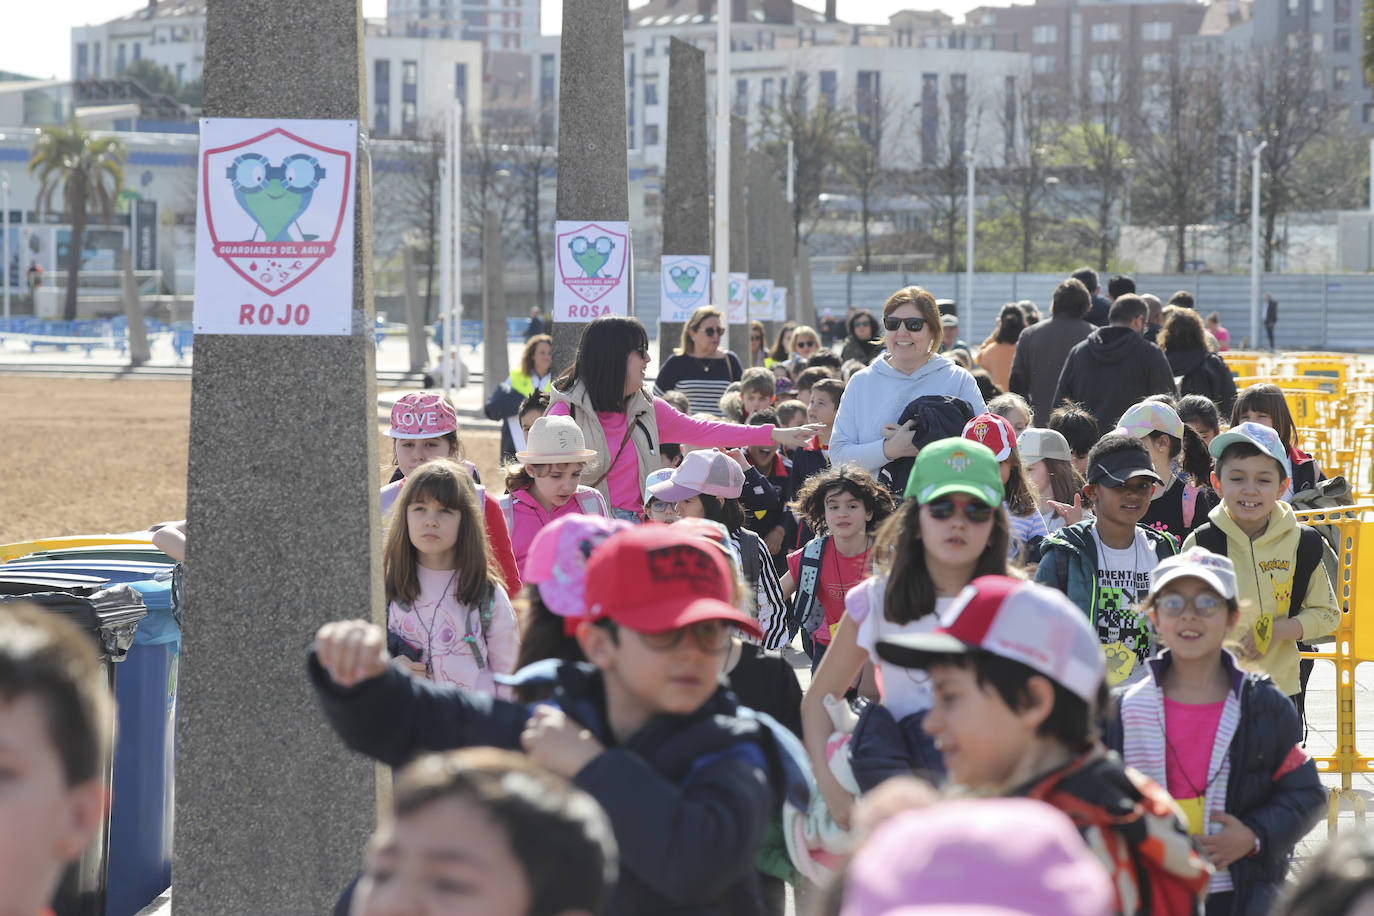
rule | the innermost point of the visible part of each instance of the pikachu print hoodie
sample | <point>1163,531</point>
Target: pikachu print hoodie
<point>1264,575</point>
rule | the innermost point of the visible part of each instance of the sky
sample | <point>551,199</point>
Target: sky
<point>40,44</point>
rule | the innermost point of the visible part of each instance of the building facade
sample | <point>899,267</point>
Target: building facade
<point>170,33</point>
<point>498,25</point>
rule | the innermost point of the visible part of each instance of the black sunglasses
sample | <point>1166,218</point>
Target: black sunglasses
<point>711,332</point>
<point>974,511</point>
<point>913,325</point>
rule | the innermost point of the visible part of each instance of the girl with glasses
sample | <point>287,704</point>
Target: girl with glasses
<point>866,430</point>
<point>950,530</point>
<point>865,340</point>
<point>701,368</point>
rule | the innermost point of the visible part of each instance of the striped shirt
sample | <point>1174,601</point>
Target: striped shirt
<point>703,380</point>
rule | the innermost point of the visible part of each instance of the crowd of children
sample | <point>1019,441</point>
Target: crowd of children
<point>1100,628</point>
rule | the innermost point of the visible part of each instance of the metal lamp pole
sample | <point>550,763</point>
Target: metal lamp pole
<point>721,291</point>
<point>967,319</point>
<point>1255,242</point>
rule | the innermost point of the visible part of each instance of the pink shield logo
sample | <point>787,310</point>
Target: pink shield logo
<point>274,206</point>
<point>592,260</point>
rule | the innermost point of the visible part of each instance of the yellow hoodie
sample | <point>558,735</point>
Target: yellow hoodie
<point>1264,575</point>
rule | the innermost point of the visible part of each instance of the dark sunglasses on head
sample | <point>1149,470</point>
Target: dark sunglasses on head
<point>974,511</point>
<point>892,323</point>
<point>711,332</point>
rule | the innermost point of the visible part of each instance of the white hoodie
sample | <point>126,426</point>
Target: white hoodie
<point>877,395</point>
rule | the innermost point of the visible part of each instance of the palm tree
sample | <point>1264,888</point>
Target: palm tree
<point>90,172</point>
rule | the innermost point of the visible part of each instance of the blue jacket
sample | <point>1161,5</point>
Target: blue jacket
<point>690,798</point>
<point>1273,787</point>
<point>1078,578</point>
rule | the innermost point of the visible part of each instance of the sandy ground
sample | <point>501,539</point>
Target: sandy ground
<point>93,456</point>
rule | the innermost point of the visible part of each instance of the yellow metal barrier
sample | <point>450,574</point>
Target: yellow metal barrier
<point>1246,362</point>
<point>1335,369</point>
<point>22,548</point>
<point>1354,644</point>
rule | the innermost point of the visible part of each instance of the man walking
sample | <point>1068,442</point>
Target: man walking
<point>1271,317</point>
<point>1116,367</point>
<point>1042,348</point>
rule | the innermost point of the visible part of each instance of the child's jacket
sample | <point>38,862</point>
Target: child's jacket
<point>1264,575</point>
<point>1269,782</point>
<point>690,798</point>
<point>1133,826</point>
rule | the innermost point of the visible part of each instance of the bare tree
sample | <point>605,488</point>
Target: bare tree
<point>1281,99</point>
<point>940,182</point>
<point>1179,159</point>
<point>1030,132</point>
<point>532,155</point>
<point>1104,109</point>
<point>861,164</point>
<point>816,133</point>
<point>488,172</point>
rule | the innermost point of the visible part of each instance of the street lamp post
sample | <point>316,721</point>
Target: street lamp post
<point>1129,165</point>
<point>1255,242</point>
<point>967,319</point>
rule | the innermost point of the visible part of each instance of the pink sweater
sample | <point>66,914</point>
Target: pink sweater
<point>625,483</point>
<point>436,624</point>
<point>527,517</point>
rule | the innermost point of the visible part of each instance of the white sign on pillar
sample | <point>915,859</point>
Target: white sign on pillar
<point>760,300</point>
<point>738,311</point>
<point>779,303</point>
<point>685,285</point>
<point>274,226</point>
<point>592,270</point>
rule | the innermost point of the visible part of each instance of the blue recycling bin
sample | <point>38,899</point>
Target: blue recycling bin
<point>145,758</point>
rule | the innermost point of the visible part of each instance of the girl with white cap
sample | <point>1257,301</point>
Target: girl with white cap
<point>547,483</point>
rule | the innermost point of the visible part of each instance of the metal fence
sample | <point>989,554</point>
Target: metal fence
<point>1316,311</point>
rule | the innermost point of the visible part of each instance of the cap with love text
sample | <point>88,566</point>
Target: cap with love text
<point>655,578</point>
<point>422,416</point>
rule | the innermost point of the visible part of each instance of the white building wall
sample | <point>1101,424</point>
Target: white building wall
<point>435,61</point>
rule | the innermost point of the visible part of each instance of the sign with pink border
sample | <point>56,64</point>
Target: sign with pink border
<point>592,270</point>
<point>274,226</point>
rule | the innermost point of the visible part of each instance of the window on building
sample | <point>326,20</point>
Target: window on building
<point>1318,42</point>
<point>1294,40</point>
<point>741,106</point>
<point>1340,38</point>
<point>138,50</point>
<point>1044,34</point>
<point>181,73</point>
<point>651,92</point>
<point>410,78</point>
<point>828,88</point>
<point>766,92</point>
<point>1009,118</point>
<point>381,119</point>
<point>958,111</point>
<point>1154,62</point>
<point>1294,7</point>
<point>1340,78</point>
<point>82,64</point>
<point>95,59</point>
<point>1341,9</point>
<point>1157,31</point>
<point>381,80</point>
<point>1318,5</point>
<point>868,104</point>
<point>1369,112</point>
<point>651,135</point>
<point>120,63</point>
<point>460,82</point>
<point>1044,63</point>
<point>409,124</point>
<point>930,119</point>
<point>1106,31</point>
<point>798,98</point>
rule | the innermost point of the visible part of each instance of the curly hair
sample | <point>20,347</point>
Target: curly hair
<point>1182,331</point>
<point>809,504</point>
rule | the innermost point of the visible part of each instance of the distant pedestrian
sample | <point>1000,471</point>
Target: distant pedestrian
<point>1098,313</point>
<point>995,353</point>
<point>1042,349</point>
<point>1115,367</point>
<point>536,325</point>
<point>1214,327</point>
<point>1271,317</point>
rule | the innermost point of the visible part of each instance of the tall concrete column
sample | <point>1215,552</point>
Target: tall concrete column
<point>496,351</point>
<point>686,178</point>
<point>415,314</point>
<point>784,259</point>
<point>593,176</point>
<point>271,811</point>
<point>761,217</point>
<point>739,223</point>
<point>806,298</point>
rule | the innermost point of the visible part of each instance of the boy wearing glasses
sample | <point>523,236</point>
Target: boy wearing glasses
<point>688,778</point>
<point>1103,564</point>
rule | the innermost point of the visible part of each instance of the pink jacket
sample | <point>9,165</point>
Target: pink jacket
<point>526,516</point>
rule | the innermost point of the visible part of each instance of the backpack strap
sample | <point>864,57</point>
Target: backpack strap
<point>508,511</point>
<point>807,612</point>
<point>590,502</point>
<point>484,614</point>
<point>1210,537</point>
<point>1311,544</point>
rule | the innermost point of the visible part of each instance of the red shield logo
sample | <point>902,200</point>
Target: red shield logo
<point>274,206</point>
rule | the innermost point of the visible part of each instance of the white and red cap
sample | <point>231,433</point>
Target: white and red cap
<point>995,432</point>
<point>422,416</point>
<point>702,471</point>
<point>1012,618</point>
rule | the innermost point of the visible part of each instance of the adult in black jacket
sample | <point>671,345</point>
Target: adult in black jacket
<point>1198,369</point>
<point>1276,793</point>
<point>1100,311</point>
<point>1115,367</point>
<point>1042,348</point>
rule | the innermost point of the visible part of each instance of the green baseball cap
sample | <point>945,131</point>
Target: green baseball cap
<point>955,465</point>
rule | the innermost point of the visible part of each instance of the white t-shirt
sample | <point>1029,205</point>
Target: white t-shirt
<point>1123,581</point>
<point>904,690</point>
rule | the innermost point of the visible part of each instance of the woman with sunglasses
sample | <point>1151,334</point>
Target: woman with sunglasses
<point>758,344</point>
<point>699,368</point>
<point>805,342</point>
<point>865,429</point>
<point>864,342</point>
<point>604,393</point>
<point>950,530</point>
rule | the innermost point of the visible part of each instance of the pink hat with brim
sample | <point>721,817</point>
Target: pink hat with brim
<point>703,471</point>
<point>557,560</point>
<point>422,416</point>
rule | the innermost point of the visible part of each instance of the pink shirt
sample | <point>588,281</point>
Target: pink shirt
<point>436,624</point>
<point>625,483</point>
<point>527,517</point>
<point>1190,730</point>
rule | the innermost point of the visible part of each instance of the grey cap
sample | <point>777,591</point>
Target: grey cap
<point>1036,443</point>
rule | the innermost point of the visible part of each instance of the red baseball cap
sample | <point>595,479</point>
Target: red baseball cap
<point>993,431</point>
<point>655,578</point>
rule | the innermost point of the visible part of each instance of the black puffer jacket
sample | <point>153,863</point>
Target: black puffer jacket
<point>1203,372</point>
<point>1112,370</point>
<point>1274,788</point>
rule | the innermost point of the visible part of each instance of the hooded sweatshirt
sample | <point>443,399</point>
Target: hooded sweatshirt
<point>876,396</point>
<point>1112,370</point>
<point>1264,575</point>
<point>1200,371</point>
